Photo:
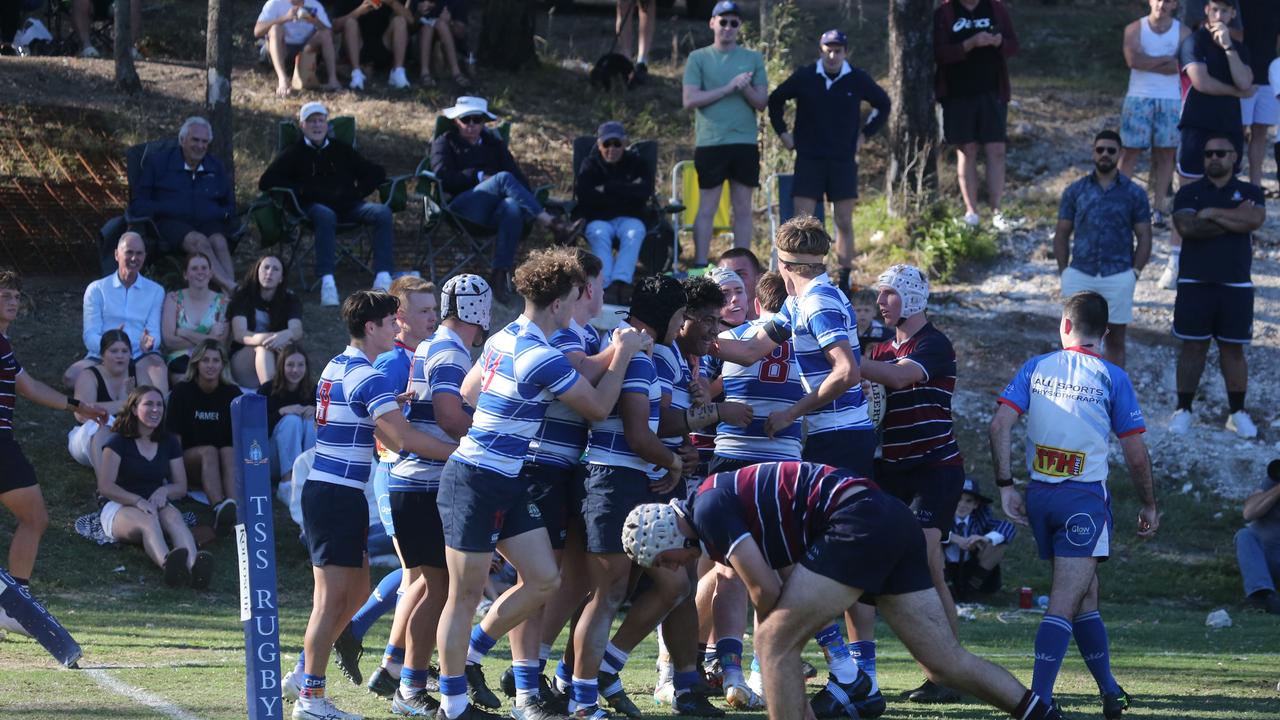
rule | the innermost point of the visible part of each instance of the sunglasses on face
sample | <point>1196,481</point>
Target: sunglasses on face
<point>1106,150</point>
<point>1217,153</point>
<point>729,23</point>
<point>612,143</point>
<point>473,120</point>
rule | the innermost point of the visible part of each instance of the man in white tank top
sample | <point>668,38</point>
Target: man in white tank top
<point>1153,103</point>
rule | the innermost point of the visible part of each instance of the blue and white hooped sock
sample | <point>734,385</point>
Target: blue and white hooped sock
<point>585,693</point>
<point>864,656</point>
<point>480,646</point>
<point>453,695</point>
<point>839,662</point>
<point>729,650</point>
<point>526,674</point>
<point>614,660</point>
<point>564,678</point>
<point>412,680</point>
<point>393,659</point>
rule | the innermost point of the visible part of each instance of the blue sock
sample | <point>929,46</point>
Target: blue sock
<point>755,663</point>
<point>380,602</point>
<point>393,654</point>
<point>453,694</point>
<point>839,662</point>
<point>585,693</point>
<point>1095,648</point>
<point>708,654</point>
<point>864,656</point>
<point>564,678</point>
<point>729,650</point>
<point>613,660</point>
<point>684,681</point>
<point>312,686</point>
<point>1051,645</point>
<point>480,646</point>
<point>526,675</point>
<point>412,680</point>
<point>301,667</point>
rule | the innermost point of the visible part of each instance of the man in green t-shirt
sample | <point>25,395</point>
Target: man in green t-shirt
<point>725,85</point>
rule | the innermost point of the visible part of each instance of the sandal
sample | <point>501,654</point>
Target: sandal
<point>426,81</point>
<point>176,572</point>
<point>462,80</point>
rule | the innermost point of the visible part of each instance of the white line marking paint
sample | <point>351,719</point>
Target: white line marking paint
<point>140,696</point>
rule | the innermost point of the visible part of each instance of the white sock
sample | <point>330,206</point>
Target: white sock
<point>327,281</point>
<point>453,705</point>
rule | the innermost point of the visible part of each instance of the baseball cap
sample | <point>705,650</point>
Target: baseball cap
<point>726,7</point>
<point>611,130</point>
<point>835,37</point>
<point>312,108</point>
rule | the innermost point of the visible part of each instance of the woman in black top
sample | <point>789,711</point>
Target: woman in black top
<point>265,316</point>
<point>140,474</point>
<point>291,408</point>
<point>200,415</point>
<point>106,385</point>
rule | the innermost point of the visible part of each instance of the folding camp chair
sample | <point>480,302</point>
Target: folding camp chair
<point>783,207</point>
<point>282,220</point>
<point>684,197</point>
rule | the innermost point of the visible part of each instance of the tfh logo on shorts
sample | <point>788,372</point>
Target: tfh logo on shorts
<point>966,23</point>
<point>1056,462</point>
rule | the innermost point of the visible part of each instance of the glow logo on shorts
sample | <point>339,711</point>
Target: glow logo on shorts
<point>1080,529</point>
<point>1056,462</point>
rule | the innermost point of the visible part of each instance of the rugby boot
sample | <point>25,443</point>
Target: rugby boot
<point>535,708</point>
<point>508,682</point>
<point>347,651</point>
<point>382,683</point>
<point>616,696</point>
<point>930,692</point>
<point>872,706</point>
<point>418,703</point>
<point>696,704</point>
<point>477,689</point>
<point>1114,704</point>
<point>837,699</point>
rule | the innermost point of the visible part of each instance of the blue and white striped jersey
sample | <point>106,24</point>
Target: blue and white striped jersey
<point>769,384</point>
<point>394,363</point>
<point>522,375</point>
<point>562,439</point>
<point>439,365</point>
<point>608,444</point>
<point>676,376</point>
<point>350,396</point>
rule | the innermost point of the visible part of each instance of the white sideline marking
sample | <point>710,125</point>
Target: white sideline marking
<point>138,695</point>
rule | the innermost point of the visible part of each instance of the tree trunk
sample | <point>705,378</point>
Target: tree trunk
<point>506,34</point>
<point>913,126</point>
<point>126,75</point>
<point>217,89</point>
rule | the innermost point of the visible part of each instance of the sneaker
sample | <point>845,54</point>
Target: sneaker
<point>202,570</point>
<point>347,651</point>
<point>566,232</point>
<point>1169,277</point>
<point>321,709</point>
<point>397,79</point>
<point>8,624</point>
<point>930,692</point>
<point>616,696</point>
<point>328,294</point>
<point>590,712</point>
<point>357,79</point>
<point>1159,220</point>
<point>291,687</point>
<point>696,704</point>
<point>508,682</point>
<point>135,53</point>
<point>971,219</point>
<point>90,52</point>
<point>640,74</point>
<point>1002,223</point>
<point>740,696</point>
<point>836,699</point>
<point>1114,704</point>
<point>555,701</point>
<point>433,679</point>
<point>176,572</point>
<point>755,681</point>
<point>382,683</point>
<point>477,690</point>
<point>872,706</point>
<point>418,704</point>
<point>224,517</point>
<point>382,281</point>
<point>535,708</point>
<point>1180,423</point>
<point>713,673</point>
<point>664,694</point>
<point>1239,423</point>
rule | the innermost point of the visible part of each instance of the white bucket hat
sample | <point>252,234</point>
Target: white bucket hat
<point>469,105</point>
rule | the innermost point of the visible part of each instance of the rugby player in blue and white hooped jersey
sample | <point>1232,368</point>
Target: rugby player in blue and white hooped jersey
<point>1074,400</point>
<point>438,367</point>
<point>351,400</point>
<point>483,503</point>
<point>824,327</point>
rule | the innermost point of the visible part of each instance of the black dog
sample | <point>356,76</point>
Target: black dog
<point>610,68</point>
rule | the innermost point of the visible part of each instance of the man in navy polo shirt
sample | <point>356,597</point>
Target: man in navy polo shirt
<point>1106,212</point>
<point>1216,215</point>
<point>828,94</point>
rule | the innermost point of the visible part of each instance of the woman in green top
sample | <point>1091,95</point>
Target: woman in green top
<point>192,315</point>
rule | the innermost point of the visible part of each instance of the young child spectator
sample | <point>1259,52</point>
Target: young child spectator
<point>1258,543</point>
<point>445,21</point>
<point>293,27</point>
<point>613,187</point>
<point>374,32</point>
<point>106,385</point>
<point>141,473</point>
<point>265,316</point>
<point>192,315</point>
<point>200,415</point>
<point>291,408</point>
<point>976,545</point>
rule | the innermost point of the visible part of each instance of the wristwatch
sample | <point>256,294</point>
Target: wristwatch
<point>1004,483</point>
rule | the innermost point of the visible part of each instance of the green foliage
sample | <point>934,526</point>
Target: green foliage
<point>944,243</point>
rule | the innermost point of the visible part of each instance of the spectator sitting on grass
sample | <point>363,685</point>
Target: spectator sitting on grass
<point>200,415</point>
<point>192,315</point>
<point>976,545</point>
<point>106,385</point>
<point>1258,543</point>
<point>374,32</point>
<point>265,316</point>
<point>613,187</point>
<point>445,21</point>
<point>291,407</point>
<point>128,301</point>
<point>141,473</point>
<point>293,27</point>
<point>85,12</point>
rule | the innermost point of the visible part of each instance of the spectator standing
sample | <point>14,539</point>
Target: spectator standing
<point>1215,74</point>
<point>192,315</point>
<point>85,12</point>
<point>128,301</point>
<point>1149,118</point>
<point>725,85</point>
<point>332,180</point>
<point>294,27</point>
<point>1216,215</point>
<point>105,385</point>
<point>487,187</point>
<point>1102,215</point>
<point>614,187</point>
<point>744,262</point>
<point>200,415</point>
<point>1258,112</point>
<point>1258,543</point>
<point>643,16</point>
<point>972,41</point>
<point>265,317</point>
<point>976,545</point>
<point>445,21</point>
<point>291,407</point>
<point>825,141</point>
<point>374,32</point>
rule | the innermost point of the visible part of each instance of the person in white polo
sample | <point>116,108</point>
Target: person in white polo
<point>292,27</point>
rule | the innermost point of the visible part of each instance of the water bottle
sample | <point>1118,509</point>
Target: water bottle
<point>1042,602</point>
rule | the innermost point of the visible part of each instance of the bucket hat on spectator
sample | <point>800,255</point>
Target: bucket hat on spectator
<point>469,105</point>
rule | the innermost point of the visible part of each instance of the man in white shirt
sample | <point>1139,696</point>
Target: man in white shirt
<point>292,27</point>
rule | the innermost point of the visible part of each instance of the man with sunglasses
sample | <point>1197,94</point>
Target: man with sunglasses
<point>1216,216</point>
<point>614,186</point>
<point>725,85</point>
<point>1101,215</point>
